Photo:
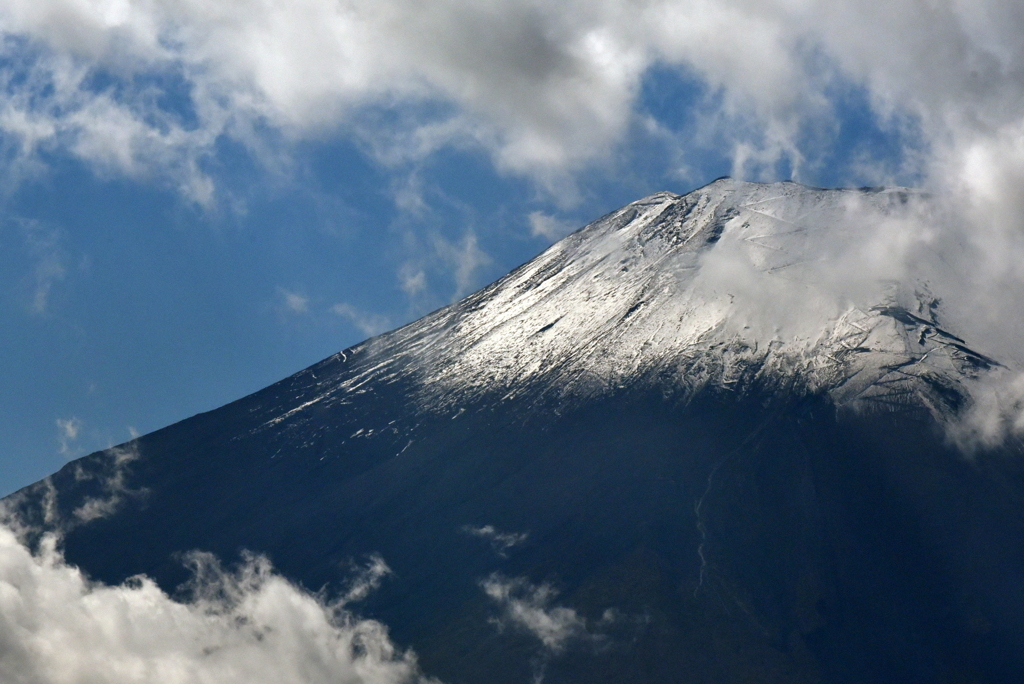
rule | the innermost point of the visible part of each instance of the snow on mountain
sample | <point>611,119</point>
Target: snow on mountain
<point>735,286</point>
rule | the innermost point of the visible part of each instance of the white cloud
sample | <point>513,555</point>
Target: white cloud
<point>501,542</point>
<point>367,579</point>
<point>48,257</point>
<point>539,90</point>
<point>545,87</point>
<point>57,627</point>
<point>110,471</point>
<point>462,259</point>
<point>112,477</point>
<point>438,262</point>
<point>49,270</point>
<point>67,433</point>
<point>547,226</point>
<point>293,301</point>
<point>530,607</point>
<point>369,324</point>
<point>50,103</point>
<point>997,412</point>
<point>413,280</point>
<point>69,427</point>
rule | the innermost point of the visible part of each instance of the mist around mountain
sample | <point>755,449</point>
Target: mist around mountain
<point>757,433</point>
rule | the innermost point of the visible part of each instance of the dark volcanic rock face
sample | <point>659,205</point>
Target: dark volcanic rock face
<point>569,519</point>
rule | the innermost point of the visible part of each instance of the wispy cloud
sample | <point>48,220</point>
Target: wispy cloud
<point>996,413</point>
<point>501,542</point>
<point>67,434</point>
<point>547,226</point>
<point>438,263</point>
<point>366,578</point>
<point>413,280</point>
<point>48,271</point>
<point>531,608</point>
<point>109,472</point>
<point>370,324</point>
<point>463,258</point>
<point>112,477</point>
<point>48,261</point>
<point>293,301</point>
<point>294,305</point>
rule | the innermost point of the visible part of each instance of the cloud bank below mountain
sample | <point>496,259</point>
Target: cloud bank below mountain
<point>251,625</point>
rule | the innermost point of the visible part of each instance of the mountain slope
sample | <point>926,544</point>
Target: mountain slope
<point>683,444</point>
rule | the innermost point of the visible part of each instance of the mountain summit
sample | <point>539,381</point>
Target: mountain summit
<point>733,286</point>
<point>701,439</point>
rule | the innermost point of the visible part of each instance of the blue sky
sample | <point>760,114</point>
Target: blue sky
<point>200,200</point>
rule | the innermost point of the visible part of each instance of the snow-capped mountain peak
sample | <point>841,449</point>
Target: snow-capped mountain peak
<point>732,285</point>
<point>735,286</point>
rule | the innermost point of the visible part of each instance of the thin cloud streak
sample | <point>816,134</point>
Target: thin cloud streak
<point>293,301</point>
<point>67,434</point>
<point>369,324</point>
<point>501,542</point>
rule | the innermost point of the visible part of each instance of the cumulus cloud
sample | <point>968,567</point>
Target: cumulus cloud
<point>251,625</point>
<point>544,87</point>
<point>536,88</point>
<point>147,88</point>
